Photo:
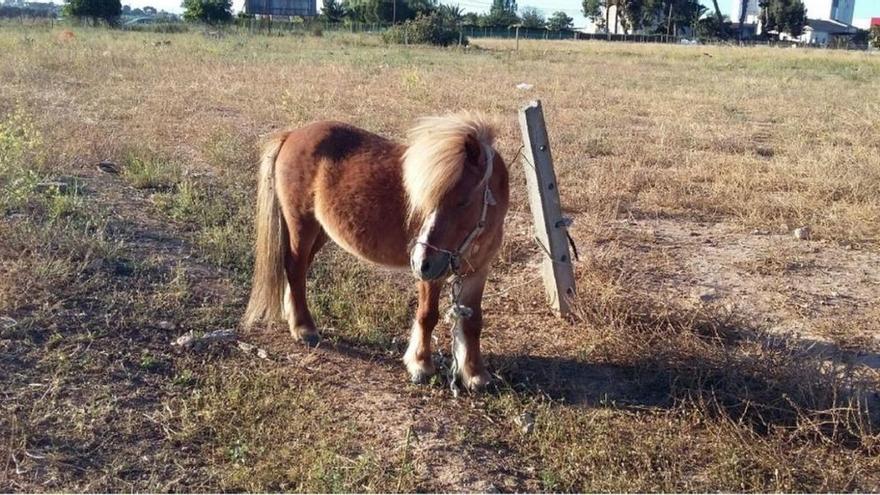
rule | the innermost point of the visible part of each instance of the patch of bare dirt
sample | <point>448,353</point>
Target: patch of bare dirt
<point>802,289</point>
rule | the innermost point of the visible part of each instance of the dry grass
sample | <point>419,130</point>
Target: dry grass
<point>641,391</point>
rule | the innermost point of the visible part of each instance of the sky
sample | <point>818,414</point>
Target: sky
<point>865,9</point>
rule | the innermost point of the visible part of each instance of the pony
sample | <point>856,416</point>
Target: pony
<point>435,204</point>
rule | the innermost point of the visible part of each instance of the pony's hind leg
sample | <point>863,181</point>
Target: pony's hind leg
<point>305,238</point>
<point>418,354</point>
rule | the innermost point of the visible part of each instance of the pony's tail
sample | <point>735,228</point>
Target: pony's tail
<point>270,279</point>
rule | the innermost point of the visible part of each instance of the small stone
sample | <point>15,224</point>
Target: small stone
<point>219,336</point>
<point>760,232</point>
<point>492,488</point>
<point>108,167</point>
<point>187,340</point>
<point>262,354</point>
<point>802,233</point>
<point>526,422</point>
<point>166,325</point>
<point>245,347</point>
<point>707,295</point>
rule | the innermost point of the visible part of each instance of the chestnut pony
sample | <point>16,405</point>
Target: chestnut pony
<point>436,205</point>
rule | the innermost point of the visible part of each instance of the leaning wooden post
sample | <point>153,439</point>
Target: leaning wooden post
<point>551,229</point>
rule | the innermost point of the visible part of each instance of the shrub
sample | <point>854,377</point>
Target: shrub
<point>432,29</point>
<point>875,36</point>
<point>208,11</point>
<point>109,10</point>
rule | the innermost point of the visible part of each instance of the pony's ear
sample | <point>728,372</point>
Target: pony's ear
<point>473,151</point>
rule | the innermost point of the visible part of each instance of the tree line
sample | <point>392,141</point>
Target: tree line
<point>644,16</point>
<point>669,16</point>
<point>502,13</point>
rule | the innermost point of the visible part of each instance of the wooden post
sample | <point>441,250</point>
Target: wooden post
<point>551,230</point>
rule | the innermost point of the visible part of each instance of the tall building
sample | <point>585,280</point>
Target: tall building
<point>831,10</point>
<point>752,11</point>
<point>303,8</point>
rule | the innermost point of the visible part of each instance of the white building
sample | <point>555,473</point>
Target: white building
<point>831,10</point>
<point>824,32</point>
<point>609,19</point>
<point>752,11</point>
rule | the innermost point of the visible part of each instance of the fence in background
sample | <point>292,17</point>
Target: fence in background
<point>544,34</point>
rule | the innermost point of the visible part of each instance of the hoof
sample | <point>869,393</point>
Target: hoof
<point>476,382</point>
<point>419,378</point>
<point>309,337</point>
<point>419,371</point>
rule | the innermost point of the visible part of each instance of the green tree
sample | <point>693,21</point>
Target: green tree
<point>333,11</point>
<point>109,10</point>
<point>718,16</point>
<point>431,29</point>
<point>709,28</point>
<point>501,14</point>
<point>209,11</point>
<point>470,19</point>
<point>594,11</point>
<point>784,16</point>
<point>651,16</point>
<point>875,36</point>
<point>560,21</point>
<point>670,16</point>
<point>451,13</point>
<point>531,18</point>
<point>386,11</point>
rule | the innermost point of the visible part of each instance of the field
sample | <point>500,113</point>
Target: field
<point>710,350</point>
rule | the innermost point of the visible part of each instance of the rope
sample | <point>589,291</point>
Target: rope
<point>456,313</point>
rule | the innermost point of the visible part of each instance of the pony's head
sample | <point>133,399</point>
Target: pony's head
<point>447,170</point>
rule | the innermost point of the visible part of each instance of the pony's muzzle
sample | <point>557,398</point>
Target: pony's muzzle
<point>428,264</point>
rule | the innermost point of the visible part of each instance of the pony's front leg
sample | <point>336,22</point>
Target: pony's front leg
<point>466,333</point>
<point>418,354</point>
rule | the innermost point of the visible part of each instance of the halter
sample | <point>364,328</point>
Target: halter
<point>455,256</point>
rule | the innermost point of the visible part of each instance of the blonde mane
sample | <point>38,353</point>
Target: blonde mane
<point>433,162</point>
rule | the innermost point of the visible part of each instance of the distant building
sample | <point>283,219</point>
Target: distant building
<point>875,21</point>
<point>829,22</point>
<point>831,10</point>
<point>609,18</point>
<point>752,11</point>
<point>286,8</point>
<point>824,32</point>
